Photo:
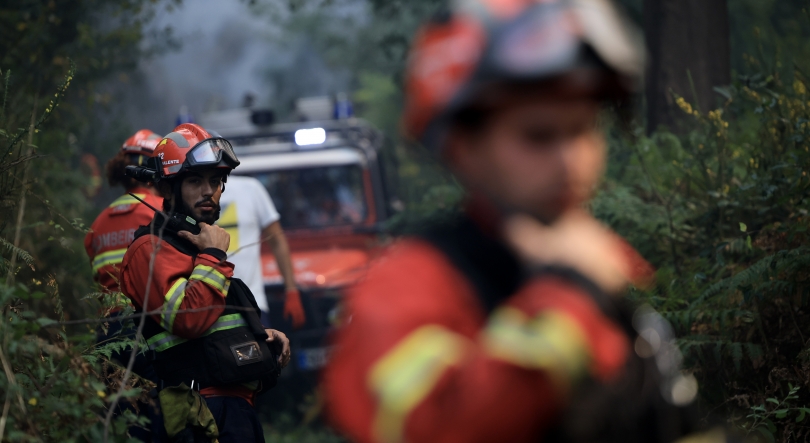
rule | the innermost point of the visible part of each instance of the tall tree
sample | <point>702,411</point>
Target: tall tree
<point>690,50</point>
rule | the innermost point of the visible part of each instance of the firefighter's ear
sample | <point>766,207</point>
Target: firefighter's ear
<point>164,189</point>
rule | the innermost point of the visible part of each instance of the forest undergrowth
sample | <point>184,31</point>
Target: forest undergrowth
<point>720,207</point>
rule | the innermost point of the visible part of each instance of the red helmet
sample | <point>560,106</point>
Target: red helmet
<point>190,147</point>
<point>484,42</point>
<point>142,142</point>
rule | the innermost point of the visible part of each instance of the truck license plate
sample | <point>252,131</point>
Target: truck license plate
<point>314,358</point>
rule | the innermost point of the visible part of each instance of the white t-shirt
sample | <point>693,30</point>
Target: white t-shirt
<point>246,211</point>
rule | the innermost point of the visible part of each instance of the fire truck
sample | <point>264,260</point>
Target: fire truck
<point>329,184</point>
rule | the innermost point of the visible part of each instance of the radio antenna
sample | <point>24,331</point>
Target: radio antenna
<point>147,204</point>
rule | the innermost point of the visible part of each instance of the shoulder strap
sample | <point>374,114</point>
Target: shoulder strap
<point>488,265</point>
<point>240,295</point>
<point>170,236</point>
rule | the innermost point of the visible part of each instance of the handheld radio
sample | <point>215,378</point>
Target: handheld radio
<point>175,222</point>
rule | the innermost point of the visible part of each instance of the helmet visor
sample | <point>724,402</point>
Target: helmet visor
<point>212,152</point>
<point>547,40</point>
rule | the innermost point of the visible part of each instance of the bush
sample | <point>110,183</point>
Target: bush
<point>720,208</point>
<point>54,390</point>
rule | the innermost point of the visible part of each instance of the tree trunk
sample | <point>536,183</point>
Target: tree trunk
<point>689,47</point>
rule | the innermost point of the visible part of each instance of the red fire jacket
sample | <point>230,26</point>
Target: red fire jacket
<point>112,232</point>
<point>179,283</point>
<point>423,358</point>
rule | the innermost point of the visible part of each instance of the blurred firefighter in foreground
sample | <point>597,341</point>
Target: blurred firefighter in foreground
<point>204,333</point>
<point>107,241</point>
<point>507,324</point>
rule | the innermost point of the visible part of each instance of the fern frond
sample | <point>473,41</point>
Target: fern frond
<point>21,253</point>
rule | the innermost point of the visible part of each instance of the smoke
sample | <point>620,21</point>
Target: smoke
<point>222,56</point>
<point>227,50</point>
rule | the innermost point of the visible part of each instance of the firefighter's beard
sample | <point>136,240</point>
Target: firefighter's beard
<point>201,212</point>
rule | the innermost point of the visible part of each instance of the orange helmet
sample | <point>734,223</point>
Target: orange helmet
<point>484,42</point>
<point>190,147</point>
<point>142,142</point>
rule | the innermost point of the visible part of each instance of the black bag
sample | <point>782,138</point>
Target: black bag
<point>242,354</point>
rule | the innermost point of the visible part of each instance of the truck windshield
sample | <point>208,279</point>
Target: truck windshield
<point>317,197</point>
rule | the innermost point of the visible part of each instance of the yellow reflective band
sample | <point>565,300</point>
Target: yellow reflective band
<point>165,340</point>
<point>552,341</point>
<point>126,200</point>
<point>211,276</point>
<point>108,258</point>
<point>403,378</point>
<point>252,385</point>
<point>225,322</point>
<point>172,300</point>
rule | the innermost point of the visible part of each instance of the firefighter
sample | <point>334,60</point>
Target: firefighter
<point>506,324</point>
<point>114,228</point>
<point>202,326</point>
<point>106,243</point>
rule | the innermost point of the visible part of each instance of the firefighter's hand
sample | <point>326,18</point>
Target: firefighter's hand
<point>210,236</point>
<point>278,338</point>
<point>576,240</point>
<point>293,310</point>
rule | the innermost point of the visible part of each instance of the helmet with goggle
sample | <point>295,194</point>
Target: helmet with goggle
<point>189,147</point>
<point>479,44</point>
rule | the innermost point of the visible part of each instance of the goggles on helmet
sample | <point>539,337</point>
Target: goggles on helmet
<point>212,152</point>
<point>548,39</point>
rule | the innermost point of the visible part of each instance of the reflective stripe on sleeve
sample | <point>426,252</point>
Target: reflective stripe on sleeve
<point>252,385</point>
<point>552,341</point>
<point>211,276</point>
<point>224,322</point>
<point>127,200</point>
<point>404,377</point>
<point>166,340</point>
<point>173,299</point>
<point>163,341</point>
<point>113,257</point>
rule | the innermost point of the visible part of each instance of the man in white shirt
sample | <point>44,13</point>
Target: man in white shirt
<point>249,216</point>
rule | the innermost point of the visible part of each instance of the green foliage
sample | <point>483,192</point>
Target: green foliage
<point>53,58</point>
<point>42,176</point>
<point>285,430</point>
<point>763,415</point>
<point>52,391</point>
<point>720,209</point>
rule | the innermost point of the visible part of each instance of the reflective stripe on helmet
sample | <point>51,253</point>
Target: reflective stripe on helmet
<point>178,139</point>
